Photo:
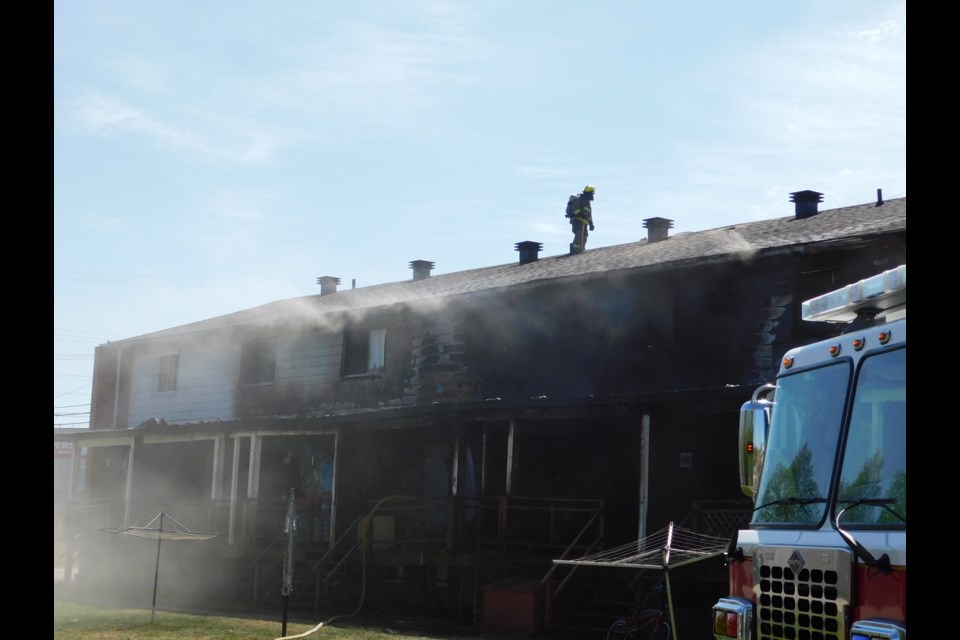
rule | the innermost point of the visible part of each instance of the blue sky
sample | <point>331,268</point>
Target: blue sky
<point>213,156</point>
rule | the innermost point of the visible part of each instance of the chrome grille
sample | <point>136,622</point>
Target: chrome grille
<point>802,593</point>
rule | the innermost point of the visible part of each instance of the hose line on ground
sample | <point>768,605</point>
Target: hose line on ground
<point>363,562</point>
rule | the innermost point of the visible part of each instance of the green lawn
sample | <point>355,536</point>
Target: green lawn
<point>73,621</point>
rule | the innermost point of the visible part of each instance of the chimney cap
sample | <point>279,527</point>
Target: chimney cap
<point>806,196</point>
<point>659,228</point>
<point>528,244</point>
<point>421,269</point>
<point>657,222</point>
<point>328,284</point>
<point>806,203</point>
<point>529,250</point>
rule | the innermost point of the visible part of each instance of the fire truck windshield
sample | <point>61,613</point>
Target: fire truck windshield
<point>873,476</point>
<point>801,453</point>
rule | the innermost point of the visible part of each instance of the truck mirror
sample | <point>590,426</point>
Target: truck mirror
<point>754,427</point>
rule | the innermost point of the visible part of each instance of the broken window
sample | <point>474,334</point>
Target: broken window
<point>364,350</point>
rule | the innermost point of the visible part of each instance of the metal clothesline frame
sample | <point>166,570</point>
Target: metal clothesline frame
<point>669,548</point>
<point>158,533</point>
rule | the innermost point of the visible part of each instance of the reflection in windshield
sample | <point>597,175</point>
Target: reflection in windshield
<point>799,458</point>
<point>875,457</point>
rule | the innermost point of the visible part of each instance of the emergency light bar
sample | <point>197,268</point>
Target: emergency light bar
<point>884,292</point>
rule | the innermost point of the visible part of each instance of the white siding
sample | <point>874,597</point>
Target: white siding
<point>206,383</point>
<point>308,364</point>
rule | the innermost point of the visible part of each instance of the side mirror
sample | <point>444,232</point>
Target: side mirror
<point>754,428</point>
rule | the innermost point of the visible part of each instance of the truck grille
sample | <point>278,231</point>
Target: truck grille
<point>803,593</point>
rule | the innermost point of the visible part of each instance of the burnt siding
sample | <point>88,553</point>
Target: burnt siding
<point>681,328</point>
<point>439,366</point>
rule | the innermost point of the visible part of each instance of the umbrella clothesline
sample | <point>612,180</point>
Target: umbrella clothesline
<point>154,529</point>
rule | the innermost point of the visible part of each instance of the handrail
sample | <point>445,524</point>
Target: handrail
<point>596,541</point>
<point>336,544</point>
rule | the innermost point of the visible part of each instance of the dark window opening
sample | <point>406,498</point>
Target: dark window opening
<point>258,362</point>
<point>363,351</point>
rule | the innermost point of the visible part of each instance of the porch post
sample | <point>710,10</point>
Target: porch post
<point>128,490</point>
<point>253,473</point>
<point>644,475</point>
<point>483,464</point>
<point>74,470</point>
<point>510,435</point>
<point>453,516</point>
<point>67,525</point>
<point>234,491</point>
<point>251,516</point>
<point>333,487</point>
<point>216,485</point>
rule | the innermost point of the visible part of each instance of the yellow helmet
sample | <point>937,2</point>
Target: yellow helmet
<point>589,189</point>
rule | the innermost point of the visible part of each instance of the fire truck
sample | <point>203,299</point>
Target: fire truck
<point>823,456</point>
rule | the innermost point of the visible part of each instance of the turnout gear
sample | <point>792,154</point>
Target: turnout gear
<point>580,213</point>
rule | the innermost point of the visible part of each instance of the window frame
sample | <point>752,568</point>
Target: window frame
<point>364,351</point>
<point>168,372</point>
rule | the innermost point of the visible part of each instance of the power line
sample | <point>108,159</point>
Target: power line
<point>90,384</point>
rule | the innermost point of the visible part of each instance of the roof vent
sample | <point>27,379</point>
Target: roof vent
<point>529,250</point>
<point>657,228</point>
<point>421,269</point>
<point>879,197</point>
<point>328,284</point>
<point>806,202</point>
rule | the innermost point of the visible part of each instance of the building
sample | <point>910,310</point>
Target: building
<point>466,427</point>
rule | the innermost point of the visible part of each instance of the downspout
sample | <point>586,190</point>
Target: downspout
<point>644,475</point>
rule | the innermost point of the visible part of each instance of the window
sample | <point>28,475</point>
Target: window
<point>875,457</point>
<point>167,380</point>
<point>363,351</point>
<point>258,361</point>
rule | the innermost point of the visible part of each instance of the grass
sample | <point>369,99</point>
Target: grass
<point>75,621</point>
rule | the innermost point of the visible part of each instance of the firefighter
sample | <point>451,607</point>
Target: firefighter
<point>580,214</point>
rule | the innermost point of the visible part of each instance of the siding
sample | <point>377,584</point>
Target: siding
<point>206,383</point>
<point>308,364</point>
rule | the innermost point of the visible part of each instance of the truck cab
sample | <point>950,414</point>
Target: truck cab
<point>823,456</point>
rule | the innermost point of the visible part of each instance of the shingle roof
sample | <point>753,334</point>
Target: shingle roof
<point>727,243</point>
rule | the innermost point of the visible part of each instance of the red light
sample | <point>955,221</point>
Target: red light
<point>788,362</point>
<point>858,343</point>
<point>749,447</point>
<point>732,625</point>
<point>884,337</point>
<point>834,350</point>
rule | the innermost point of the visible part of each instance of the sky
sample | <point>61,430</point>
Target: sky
<point>214,156</point>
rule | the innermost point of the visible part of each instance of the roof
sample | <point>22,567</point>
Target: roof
<point>728,243</point>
